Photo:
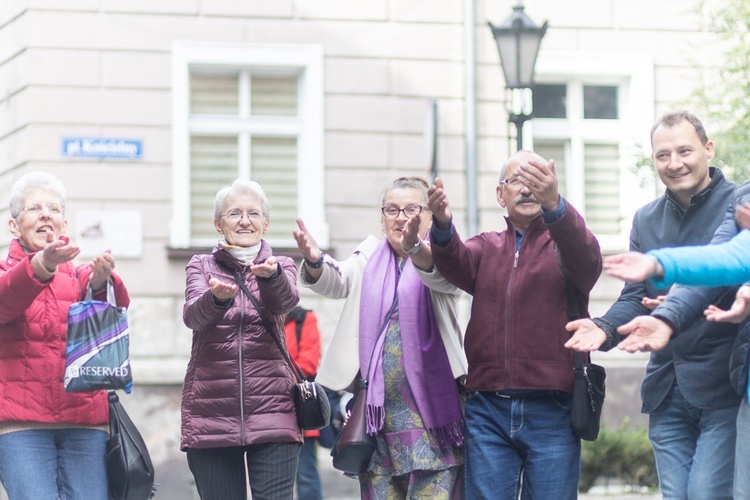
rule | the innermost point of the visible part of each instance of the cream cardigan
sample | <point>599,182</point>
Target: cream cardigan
<point>343,280</point>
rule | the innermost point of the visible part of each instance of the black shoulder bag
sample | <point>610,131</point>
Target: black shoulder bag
<point>310,399</point>
<point>588,383</point>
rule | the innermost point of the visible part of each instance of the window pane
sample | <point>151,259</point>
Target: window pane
<point>550,101</point>
<point>274,166</point>
<point>554,150</point>
<point>602,188</point>
<point>274,95</point>
<point>215,93</point>
<point>213,165</point>
<point>600,102</point>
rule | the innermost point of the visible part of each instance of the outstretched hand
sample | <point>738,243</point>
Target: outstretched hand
<point>57,252</point>
<point>632,266</point>
<point>587,337</point>
<point>410,233</point>
<point>307,245</point>
<point>645,333</point>
<point>222,291</point>
<point>541,180</point>
<point>265,269</point>
<point>736,314</point>
<point>101,269</point>
<point>437,202</point>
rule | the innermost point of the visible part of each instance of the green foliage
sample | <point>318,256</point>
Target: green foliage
<point>624,454</point>
<point>721,99</point>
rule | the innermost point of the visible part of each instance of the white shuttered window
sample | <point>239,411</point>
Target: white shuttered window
<point>259,119</point>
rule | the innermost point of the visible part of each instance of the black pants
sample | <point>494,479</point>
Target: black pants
<point>220,472</point>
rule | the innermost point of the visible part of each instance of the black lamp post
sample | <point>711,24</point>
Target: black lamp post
<point>518,40</point>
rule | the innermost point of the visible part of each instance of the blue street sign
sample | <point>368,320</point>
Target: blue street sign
<point>97,147</point>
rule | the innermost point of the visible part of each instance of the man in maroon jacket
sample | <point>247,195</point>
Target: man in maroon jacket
<point>518,431</point>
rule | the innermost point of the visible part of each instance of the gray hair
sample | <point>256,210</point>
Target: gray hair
<point>30,182</point>
<point>417,183</point>
<point>504,168</point>
<point>238,187</point>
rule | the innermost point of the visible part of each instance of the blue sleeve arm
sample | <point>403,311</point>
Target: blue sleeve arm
<point>711,265</point>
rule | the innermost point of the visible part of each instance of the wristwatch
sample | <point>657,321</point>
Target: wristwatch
<point>415,249</point>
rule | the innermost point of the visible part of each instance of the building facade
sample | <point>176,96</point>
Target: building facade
<point>144,109</point>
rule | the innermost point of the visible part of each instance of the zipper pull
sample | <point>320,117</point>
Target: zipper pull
<point>515,260</point>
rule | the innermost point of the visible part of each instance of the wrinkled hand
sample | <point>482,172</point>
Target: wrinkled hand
<point>736,314</point>
<point>645,333</point>
<point>437,202</point>
<point>652,304</point>
<point>410,233</point>
<point>306,243</point>
<point>57,252</point>
<point>631,266</point>
<point>101,269</point>
<point>541,180</point>
<point>587,337</point>
<point>742,216</point>
<point>265,269</point>
<point>222,291</point>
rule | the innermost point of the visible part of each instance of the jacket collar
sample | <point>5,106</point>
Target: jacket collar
<point>224,257</point>
<point>717,177</point>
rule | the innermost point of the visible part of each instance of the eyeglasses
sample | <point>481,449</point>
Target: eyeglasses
<point>409,211</point>
<point>512,181</point>
<point>36,208</point>
<point>236,216</point>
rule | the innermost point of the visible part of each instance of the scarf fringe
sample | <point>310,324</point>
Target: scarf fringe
<point>375,418</point>
<point>451,434</point>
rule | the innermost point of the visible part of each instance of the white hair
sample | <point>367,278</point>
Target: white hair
<point>241,186</point>
<point>30,182</point>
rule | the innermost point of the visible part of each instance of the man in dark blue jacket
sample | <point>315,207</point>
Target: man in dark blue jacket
<point>686,391</point>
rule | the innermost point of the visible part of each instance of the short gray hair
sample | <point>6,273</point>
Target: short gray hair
<point>29,182</point>
<point>417,183</point>
<point>238,187</point>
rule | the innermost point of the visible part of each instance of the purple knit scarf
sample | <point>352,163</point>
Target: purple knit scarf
<point>426,364</point>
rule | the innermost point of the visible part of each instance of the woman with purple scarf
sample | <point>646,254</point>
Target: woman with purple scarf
<point>398,330</point>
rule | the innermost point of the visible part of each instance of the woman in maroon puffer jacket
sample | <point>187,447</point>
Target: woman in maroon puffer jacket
<point>237,399</point>
<point>52,443</point>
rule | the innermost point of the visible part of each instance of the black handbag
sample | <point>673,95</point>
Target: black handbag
<point>310,399</point>
<point>354,447</point>
<point>588,380</point>
<point>129,468</point>
<point>588,398</point>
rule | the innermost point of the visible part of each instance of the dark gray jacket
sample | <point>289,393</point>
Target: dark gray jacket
<point>697,358</point>
<point>686,304</point>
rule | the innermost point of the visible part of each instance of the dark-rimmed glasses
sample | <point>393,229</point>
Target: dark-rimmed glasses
<point>392,212</point>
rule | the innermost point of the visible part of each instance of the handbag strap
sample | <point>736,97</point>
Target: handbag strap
<point>295,368</point>
<point>573,312</point>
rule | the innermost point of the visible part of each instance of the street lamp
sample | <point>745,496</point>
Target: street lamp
<point>518,40</point>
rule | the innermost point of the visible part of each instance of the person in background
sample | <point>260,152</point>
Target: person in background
<point>519,438</point>
<point>52,443</point>
<point>303,343</point>
<point>238,413</point>
<point>686,390</point>
<point>414,368</point>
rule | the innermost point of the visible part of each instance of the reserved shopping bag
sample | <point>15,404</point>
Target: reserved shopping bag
<point>98,346</point>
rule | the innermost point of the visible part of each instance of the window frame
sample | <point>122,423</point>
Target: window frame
<point>634,75</point>
<point>306,60</point>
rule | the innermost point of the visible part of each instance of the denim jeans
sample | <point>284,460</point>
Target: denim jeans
<point>308,478</point>
<point>694,448</point>
<point>49,464</point>
<point>742,453</point>
<point>521,443</point>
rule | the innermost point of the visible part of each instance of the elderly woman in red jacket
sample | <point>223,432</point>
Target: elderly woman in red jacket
<point>237,402</point>
<point>52,443</point>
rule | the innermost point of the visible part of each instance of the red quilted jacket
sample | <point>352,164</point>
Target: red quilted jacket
<point>33,326</point>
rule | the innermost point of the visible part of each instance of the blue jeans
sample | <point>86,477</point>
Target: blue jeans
<point>742,453</point>
<point>308,479</point>
<point>694,448</point>
<point>521,443</point>
<point>54,463</point>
